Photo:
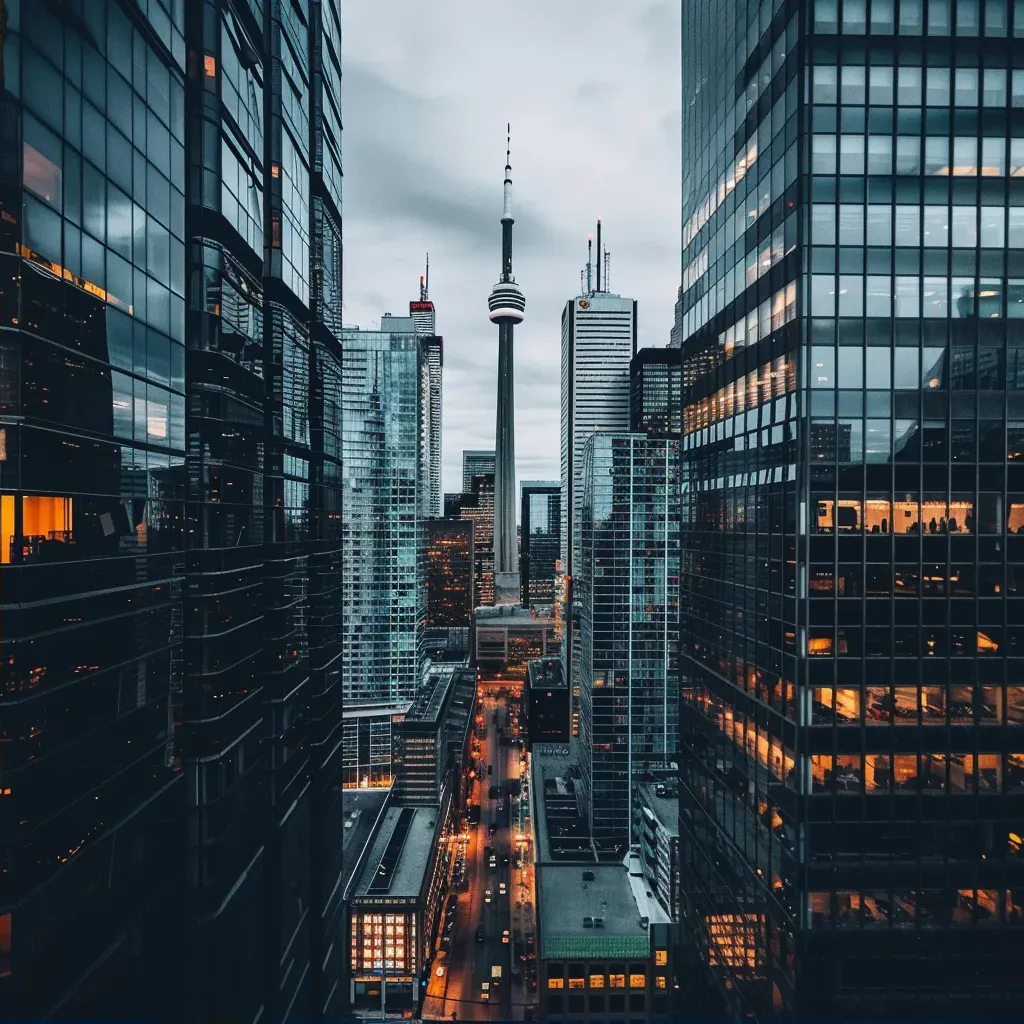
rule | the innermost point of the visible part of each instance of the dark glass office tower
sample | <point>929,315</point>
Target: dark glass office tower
<point>852,777</point>
<point>92,517</point>
<point>449,573</point>
<point>170,469</point>
<point>540,520</point>
<point>477,506</point>
<point>655,392</point>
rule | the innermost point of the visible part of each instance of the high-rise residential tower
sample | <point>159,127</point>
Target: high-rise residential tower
<point>475,462</point>
<point>425,318</point>
<point>506,305</point>
<point>655,391</point>
<point>627,584</point>
<point>384,526</point>
<point>540,520</point>
<point>853,683</point>
<point>598,341</point>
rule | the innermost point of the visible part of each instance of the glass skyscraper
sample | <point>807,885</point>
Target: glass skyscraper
<point>655,391</point>
<point>386,477</point>
<point>170,514</point>
<point>627,582</point>
<point>852,787</point>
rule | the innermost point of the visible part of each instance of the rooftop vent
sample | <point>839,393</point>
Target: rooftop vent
<point>588,922</point>
<point>645,922</point>
<point>588,876</point>
<point>598,922</point>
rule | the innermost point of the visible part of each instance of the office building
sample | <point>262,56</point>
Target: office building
<point>506,638</point>
<point>627,581</point>
<point>598,341</point>
<point>449,573</point>
<point>655,392</point>
<point>424,316</point>
<point>540,520</point>
<point>384,526</point>
<point>182,660</point>
<point>546,702</point>
<point>506,305</point>
<point>477,507</point>
<point>853,717</point>
<point>474,463</point>
<point>368,742</point>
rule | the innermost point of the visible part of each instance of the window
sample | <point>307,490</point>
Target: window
<point>556,983</point>
<point>660,981</point>
<point>616,981</point>
<point>596,981</point>
<point>660,957</point>
<point>637,980</point>
<point>41,163</point>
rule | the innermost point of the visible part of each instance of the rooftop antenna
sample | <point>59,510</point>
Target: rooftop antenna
<point>599,253</point>
<point>590,243</point>
<point>607,274</point>
<point>426,280</point>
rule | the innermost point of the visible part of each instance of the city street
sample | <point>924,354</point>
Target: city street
<point>483,922</point>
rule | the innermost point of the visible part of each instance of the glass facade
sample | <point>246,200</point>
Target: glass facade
<point>385,538</point>
<point>540,520</point>
<point>449,573</point>
<point>655,391</point>
<point>476,505</point>
<point>172,230</point>
<point>851,796</point>
<point>628,586</point>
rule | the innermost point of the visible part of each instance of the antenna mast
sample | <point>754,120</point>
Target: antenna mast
<point>599,250</point>
<point>590,243</point>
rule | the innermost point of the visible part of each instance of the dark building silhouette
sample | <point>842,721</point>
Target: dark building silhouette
<point>477,506</point>
<point>449,573</point>
<point>655,391</point>
<point>170,510</point>
<point>540,520</point>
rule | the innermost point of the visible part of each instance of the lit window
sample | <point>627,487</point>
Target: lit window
<point>617,981</point>
<point>660,957</point>
<point>597,981</point>
<point>556,983</point>
<point>659,981</point>
<point>637,981</point>
<point>576,983</point>
<point>210,66</point>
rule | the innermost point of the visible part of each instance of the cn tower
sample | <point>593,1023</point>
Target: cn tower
<point>506,305</point>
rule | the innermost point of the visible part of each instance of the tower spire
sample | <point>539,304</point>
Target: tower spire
<point>506,213</point>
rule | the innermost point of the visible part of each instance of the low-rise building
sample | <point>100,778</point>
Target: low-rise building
<point>656,828</point>
<point>600,954</point>
<point>508,637</point>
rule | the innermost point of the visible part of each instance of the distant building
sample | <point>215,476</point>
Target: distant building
<point>539,542</point>
<point>655,392</point>
<point>476,505</point>
<point>656,838</point>
<point>475,462</point>
<point>598,341</point>
<point>367,744</point>
<point>628,584</point>
<point>545,701</point>
<point>424,317</point>
<point>386,476</point>
<point>449,572</point>
<point>508,637</point>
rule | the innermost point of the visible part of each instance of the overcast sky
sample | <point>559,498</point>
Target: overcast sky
<point>592,90</point>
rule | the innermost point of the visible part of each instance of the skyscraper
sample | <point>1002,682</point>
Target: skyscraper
<point>474,463</point>
<point>477,507</point>
<point>384,526</point>
<point>655,391</point>
<point>450,566</point>
<point>199,642</point>
<point>598,341</point>
<point>853,765</point>
<point>506,305</point>
<point>540,519</point>
<point>424,316</point>
<point>627,583</point>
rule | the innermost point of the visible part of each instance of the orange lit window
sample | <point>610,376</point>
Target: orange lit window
<point>986,643</point>
<point>660,957</point>
<point>556,983</point>
<point>275,171</point>
<point>637,981</point>
<point>659,981</point>
<point>819,645</point>
<point>576,983</point>
<point>45,516</point>
<point>617,981</point>
<point>596,981</point>
<point>210,66</point>
<point>6,527</point>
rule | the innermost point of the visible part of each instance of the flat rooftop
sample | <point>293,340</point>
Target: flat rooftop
<point>665,808</point>
<point>429,702</point>
<point>361,808</point>
<point>546,673</point>
<point>562,834</point>
<point>397,868</point>
<point>565,899</point>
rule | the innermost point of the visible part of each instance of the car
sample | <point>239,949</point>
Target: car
<point>479,935</point>
<point>492,829</point>
<point>504,938</point>
<point>485,991</point>
<point>501,888</point>
<point>440,972</point>
<point>487,896</point>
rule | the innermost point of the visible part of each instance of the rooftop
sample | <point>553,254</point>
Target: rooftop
<point>361,808</point>
<point>566,901</point>
<point>562,834</point>
<point>546,673</point>
<point>665,808</point>
<point>398,868</point>
<point>429,703</point>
